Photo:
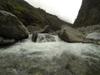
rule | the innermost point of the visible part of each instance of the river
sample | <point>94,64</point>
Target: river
<point>50,58</point>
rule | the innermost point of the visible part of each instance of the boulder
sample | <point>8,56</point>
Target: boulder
<point>34,36</point>
<point>11,27</point>
<point>94,36</point>
<point>69,34</point>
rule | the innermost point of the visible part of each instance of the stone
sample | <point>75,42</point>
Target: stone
<point>11,27</point>
<point>34,36</point>
<point>69,34</point>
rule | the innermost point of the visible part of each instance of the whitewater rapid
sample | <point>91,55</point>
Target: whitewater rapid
<point>50,58</point>
<point>50,49</point>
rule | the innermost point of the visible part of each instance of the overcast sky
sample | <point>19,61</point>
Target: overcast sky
<point>64,9</point>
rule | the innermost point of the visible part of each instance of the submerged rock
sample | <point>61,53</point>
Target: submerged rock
<point>11,27</point>
<point>34,36</point>
<point>69,34</point>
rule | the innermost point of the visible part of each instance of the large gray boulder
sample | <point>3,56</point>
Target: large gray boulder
<point>69,34</point>
<point>11,27</point>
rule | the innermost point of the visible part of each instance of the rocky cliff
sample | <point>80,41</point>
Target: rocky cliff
<point>89,13</point>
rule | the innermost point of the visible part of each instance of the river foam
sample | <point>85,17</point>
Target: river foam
<point>50,58</point>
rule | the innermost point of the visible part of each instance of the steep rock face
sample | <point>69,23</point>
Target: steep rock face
<point>31,16</point>
<point>89,13</point>
<point>11,27</point>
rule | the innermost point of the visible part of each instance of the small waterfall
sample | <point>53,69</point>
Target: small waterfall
<point>47,38</point>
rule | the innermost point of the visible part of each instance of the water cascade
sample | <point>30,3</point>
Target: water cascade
<point>47,38</point>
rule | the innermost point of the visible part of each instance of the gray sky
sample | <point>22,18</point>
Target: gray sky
<point>64,9</point>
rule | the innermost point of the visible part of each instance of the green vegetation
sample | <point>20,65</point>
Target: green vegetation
<point>30,15</point>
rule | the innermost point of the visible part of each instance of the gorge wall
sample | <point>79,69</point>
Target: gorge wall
<point>89,13</point>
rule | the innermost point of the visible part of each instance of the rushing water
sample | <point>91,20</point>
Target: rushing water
<point>47,38</point>
<point>50,58</point>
